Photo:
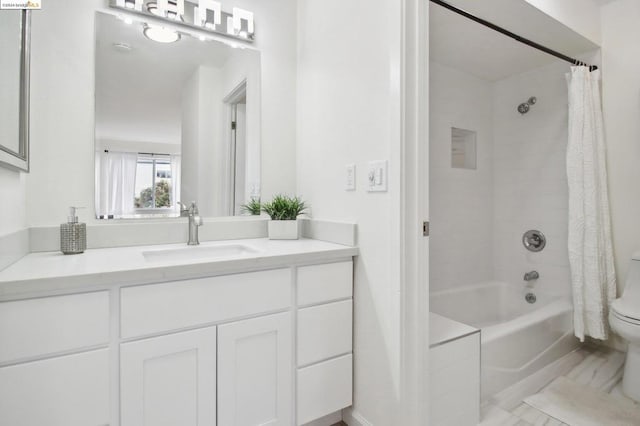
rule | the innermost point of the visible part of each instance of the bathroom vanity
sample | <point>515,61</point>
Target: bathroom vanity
<point>252,332</point>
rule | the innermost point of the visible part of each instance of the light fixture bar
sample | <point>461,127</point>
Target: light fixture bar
<point>206,16</point>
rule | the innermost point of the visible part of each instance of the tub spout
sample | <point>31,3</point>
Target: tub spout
<point>530,276</point>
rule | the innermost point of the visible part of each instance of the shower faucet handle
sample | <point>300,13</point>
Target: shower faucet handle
<point>534,240</point>
<point>530,276</point>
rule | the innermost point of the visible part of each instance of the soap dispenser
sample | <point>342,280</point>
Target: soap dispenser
<point>73,235</point>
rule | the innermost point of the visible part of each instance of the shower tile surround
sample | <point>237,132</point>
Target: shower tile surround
<point>478,216</point>
<point>461,216</point>
<point>530,184</point>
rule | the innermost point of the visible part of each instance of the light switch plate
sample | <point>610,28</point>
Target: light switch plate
<point>377,176</point>
<point>350,182</point>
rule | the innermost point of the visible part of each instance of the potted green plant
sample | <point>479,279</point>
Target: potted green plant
<point>284,211</point>
<point>253,207</point>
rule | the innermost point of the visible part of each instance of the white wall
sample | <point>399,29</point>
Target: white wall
<point>211,161</point>
<point>189,190</point>
<point>621,94</point>
<point>461,210</point>
<point>348,112</point>
<point>62,104</point>
<point>204,153</point>
<point>530,181</point>
<point>62,149</point>
<point>582,16</point>
<point>13,193</point>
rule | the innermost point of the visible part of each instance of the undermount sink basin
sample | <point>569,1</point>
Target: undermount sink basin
<point>199,252</point>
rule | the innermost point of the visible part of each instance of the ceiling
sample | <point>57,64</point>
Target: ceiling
<point>465,45</point>
<point>139,90</point>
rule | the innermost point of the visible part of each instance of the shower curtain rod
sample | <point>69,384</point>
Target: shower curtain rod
<point>513,35</point>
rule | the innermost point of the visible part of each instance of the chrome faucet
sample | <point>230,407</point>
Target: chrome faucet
<point>530,276</point>
<point>194,222</point>
<point>184,210</point>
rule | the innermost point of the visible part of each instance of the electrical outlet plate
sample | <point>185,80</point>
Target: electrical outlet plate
<point>350,182</point>
<point>377,176</point>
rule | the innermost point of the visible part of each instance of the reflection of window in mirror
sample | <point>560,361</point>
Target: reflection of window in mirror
<point>131,184</point>
<point>463,149</point>
<point>154,185</point>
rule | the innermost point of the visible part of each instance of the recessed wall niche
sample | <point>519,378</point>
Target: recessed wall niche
<point>463,149</point>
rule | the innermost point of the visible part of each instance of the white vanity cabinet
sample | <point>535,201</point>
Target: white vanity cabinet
<point>42,382</point>
<point>324,340</point>
<point>265,347</point>
<point>71,390</point>
<point>169,380</point>
<point>255,370</point>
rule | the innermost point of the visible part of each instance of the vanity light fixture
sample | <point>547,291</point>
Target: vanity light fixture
<point>203,15</point>
<point>242,23</point>
<point>174,9</point>
<point>130,4</point>
<point>160,34</point>
<point>201,12</point>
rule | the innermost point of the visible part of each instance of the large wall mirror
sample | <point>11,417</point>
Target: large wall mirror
<point>14,89</point>
<point>177,119</point>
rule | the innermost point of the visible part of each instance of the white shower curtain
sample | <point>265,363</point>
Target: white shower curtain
<point>116,183</point>
<point>590,247</point>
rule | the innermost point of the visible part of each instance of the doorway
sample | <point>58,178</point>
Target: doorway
<point>236,105</point>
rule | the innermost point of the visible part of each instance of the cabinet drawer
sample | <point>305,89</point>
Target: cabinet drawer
<point>324,388</point>
<point>36,327</point>
<point>162,307</point>
<point>70,390</point>
<point>324,283</point>
<point>324,331</point>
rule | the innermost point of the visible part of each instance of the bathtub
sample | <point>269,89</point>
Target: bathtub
<point>518,338</point>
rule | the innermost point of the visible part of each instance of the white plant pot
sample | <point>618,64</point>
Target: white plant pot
<point>284,229</point>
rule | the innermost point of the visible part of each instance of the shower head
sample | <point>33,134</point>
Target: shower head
<point>524,107</point>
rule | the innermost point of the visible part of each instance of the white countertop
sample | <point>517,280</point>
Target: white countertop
<point>443,330</point>
<point>53,272</point>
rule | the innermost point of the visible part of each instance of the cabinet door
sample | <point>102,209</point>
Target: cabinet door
<point>70,390</point>
<point>255,372</point>
<point>169,380</point>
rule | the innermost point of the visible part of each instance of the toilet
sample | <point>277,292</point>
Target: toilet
<point>624,318</point>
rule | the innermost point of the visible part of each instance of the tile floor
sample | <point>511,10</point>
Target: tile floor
<point>596,367</point>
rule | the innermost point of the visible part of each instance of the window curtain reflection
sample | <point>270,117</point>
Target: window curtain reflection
<point>115,184</point>
<point>175,182</point>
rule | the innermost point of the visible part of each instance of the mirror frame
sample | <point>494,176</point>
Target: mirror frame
<point>9,158</point>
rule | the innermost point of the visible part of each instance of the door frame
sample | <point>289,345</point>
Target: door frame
<point>230,101</point>
<point>414,206</point>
